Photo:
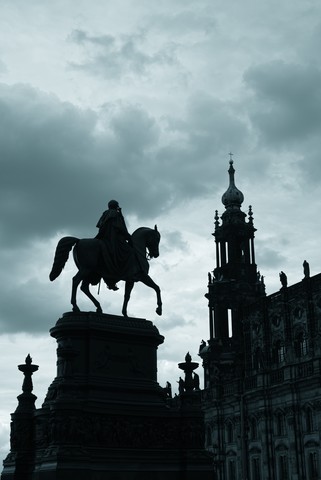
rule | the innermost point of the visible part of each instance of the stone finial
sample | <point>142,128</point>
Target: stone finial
<point>233,197</point>
<point>27,369</point>
<point>188,366</point>
<point>217,220</point>
<point>188,357</point>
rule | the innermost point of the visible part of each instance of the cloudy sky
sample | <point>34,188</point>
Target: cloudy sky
<point>142,101</point>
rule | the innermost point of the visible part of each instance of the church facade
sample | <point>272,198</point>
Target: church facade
<point>262,393</point>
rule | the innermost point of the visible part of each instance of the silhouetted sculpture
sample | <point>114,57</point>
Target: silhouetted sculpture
<point>168,390</point>
<point>112,216</point>
<point>113,255</point>
<point>181,385</point>
<point>202,345</point>
<point>116,244</point>
<point>188,367</point>
<point>306,269</point>
<point>196,380</point>
<point>283,279</point>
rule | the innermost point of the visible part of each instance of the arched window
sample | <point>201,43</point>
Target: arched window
<point>208,436</point>
<point>253,428</point>
<point>258,359</point>
<point>309,420</point>
<point>300,345</point>
<point>283,467</point>
<point>231,470</point>
<point>229,432</point>
<point>313,466</point>
<point>280,424</point>
<point>256,468</point>
<point>278,352</point>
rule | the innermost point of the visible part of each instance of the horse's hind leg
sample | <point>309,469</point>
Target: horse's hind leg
<point>75,282</point>
<point>85,288</point>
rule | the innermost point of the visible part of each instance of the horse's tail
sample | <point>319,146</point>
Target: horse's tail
<point>63,249</point>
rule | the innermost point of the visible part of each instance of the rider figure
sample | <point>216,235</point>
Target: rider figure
<point>117,240</point>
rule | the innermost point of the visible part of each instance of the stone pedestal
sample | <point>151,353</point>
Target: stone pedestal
<point>105,361</point>
<point>105,417</point>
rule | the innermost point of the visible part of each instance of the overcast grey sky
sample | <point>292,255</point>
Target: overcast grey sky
<point>142,101</point>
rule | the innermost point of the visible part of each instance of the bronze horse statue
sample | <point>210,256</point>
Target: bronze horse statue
<point>88,255</point>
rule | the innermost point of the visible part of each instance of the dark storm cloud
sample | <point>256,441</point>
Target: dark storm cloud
<point>59,169</point>
<point>56,170</point>
<point>113,57</point>
<point>25,315</point>
<point>45,144</point>
<point>286,109</point>
<point>268,257</point>
<point>61,164</point>
<point>204,136</point>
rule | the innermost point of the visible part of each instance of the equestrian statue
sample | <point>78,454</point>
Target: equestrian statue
<point>113,255</point>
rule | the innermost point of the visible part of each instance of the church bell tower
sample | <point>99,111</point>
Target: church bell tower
<point>235,280</point>
<point>261,397</point>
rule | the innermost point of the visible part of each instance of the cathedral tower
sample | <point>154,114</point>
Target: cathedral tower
<point>262,362</point>
<point>235,280</point>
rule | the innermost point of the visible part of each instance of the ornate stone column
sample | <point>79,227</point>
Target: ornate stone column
<point>19,464</point>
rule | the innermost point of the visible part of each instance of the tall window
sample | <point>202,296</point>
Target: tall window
<point>208,436</point>
<point>280,424</point>
<point>253,427</point>
<point>283,468</point>
<point>258,359</point>
<point>300,345</point>
<point>229,432</point>
<point>309,420</point>
<point>278,352</point>
<point>256,469</point>
<point>231,470</point>
<point>313,466</point>
<point>230,323</point>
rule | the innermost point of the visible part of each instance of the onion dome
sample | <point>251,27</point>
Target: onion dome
<point>233,197</point>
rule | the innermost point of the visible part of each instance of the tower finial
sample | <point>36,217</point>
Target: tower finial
<point>233,197</point>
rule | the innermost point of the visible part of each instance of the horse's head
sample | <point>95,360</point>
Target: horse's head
<point>152,242</point>
<point>145,238</point>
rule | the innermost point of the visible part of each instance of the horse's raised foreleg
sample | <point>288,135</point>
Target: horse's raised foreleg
<point>146,280</point>
<point>85,288</point>
<point>128,289</point>
<point>75,282</point>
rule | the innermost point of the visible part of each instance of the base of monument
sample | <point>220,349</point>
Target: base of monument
<point>105,417</point>
<point>140,465</point>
